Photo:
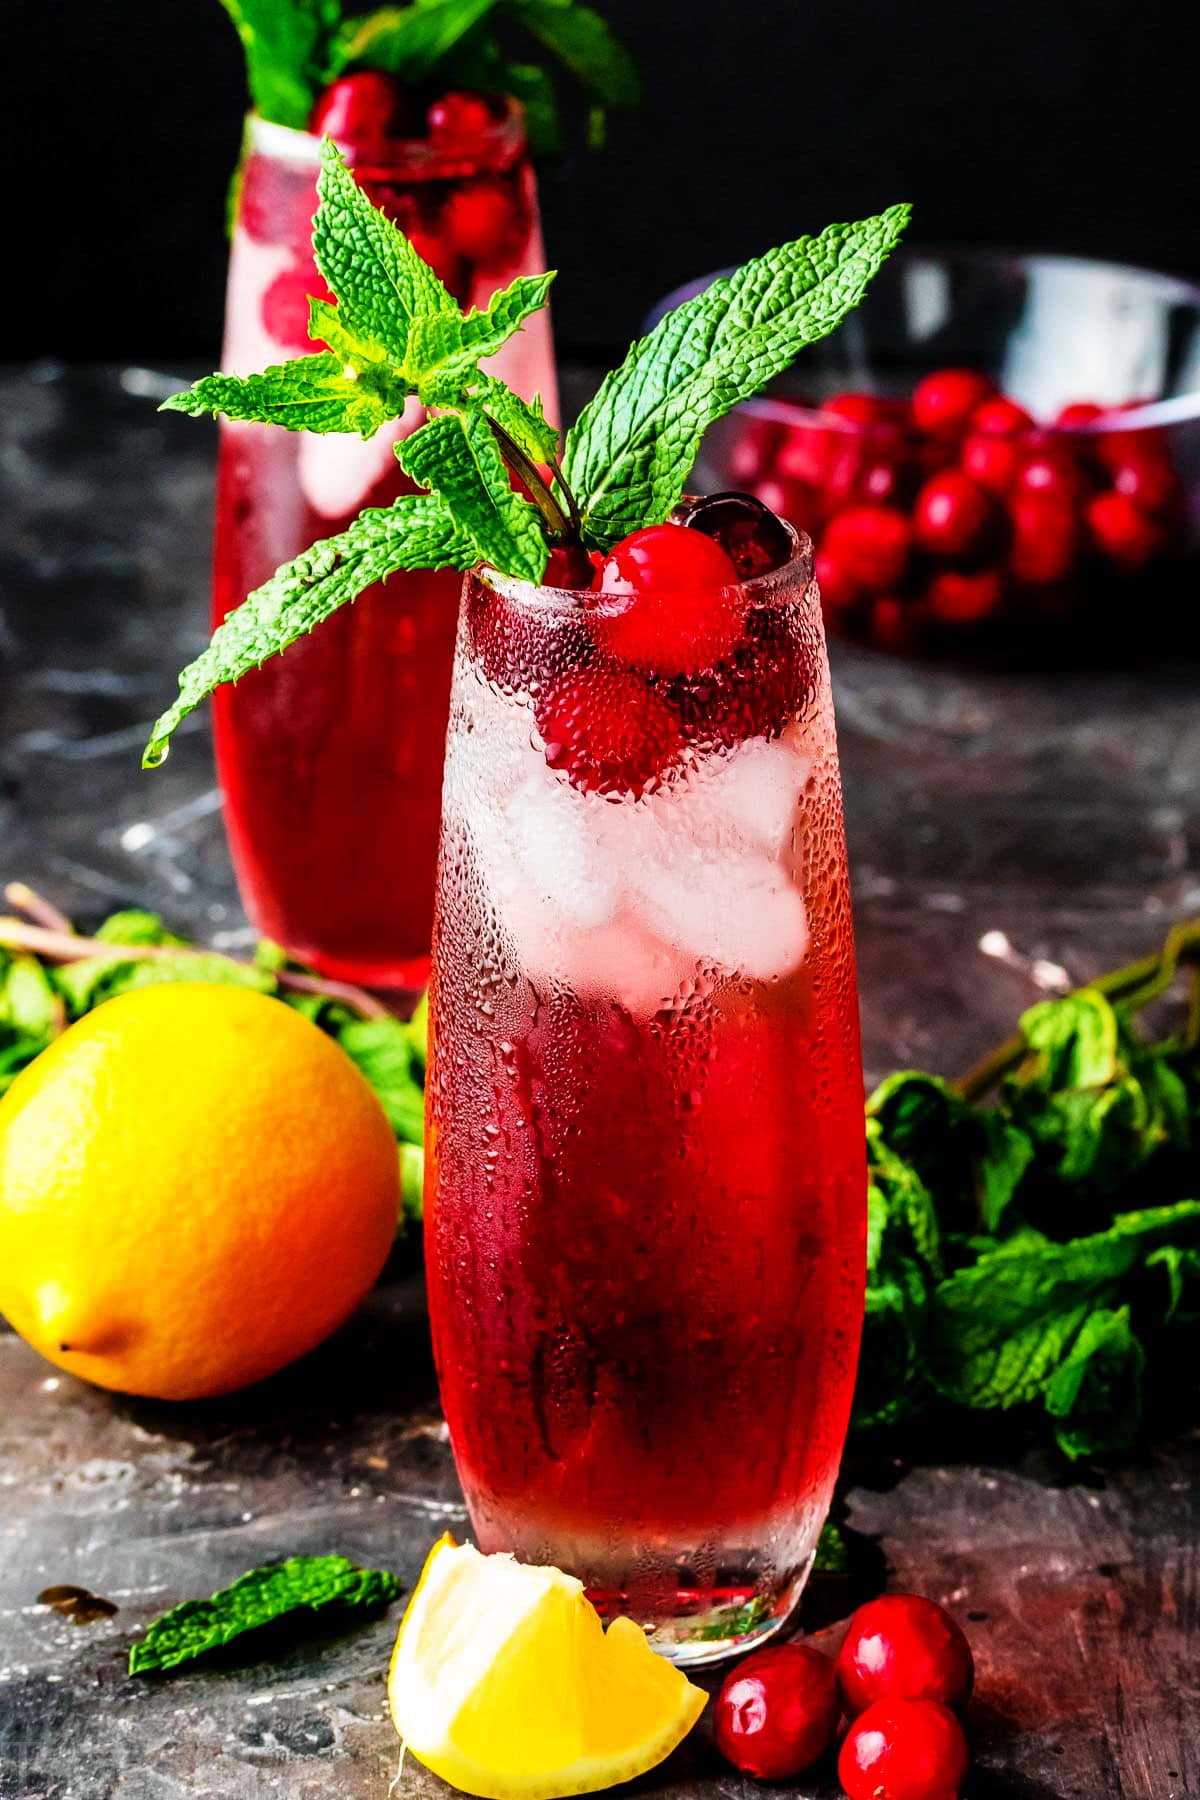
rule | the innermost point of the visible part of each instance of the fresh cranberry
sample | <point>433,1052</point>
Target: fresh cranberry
<point>954,517</point>
<point>1144,473</point>
<point>871,544</point>
<point>790,500</point>
<point>903,1647</point>
<point>753,538</point>
<point>485,222</point>
<point>943,402</point>
<point>956,598</point>
<point>770,679</point>
<point>1050,467</point>
<point>1078,413</point>
<point>804,454</point>
<point>363,108</point>
<point>607,731</point>
<point>992,461</point>
<point>893,626</point>
<point>461,115</point>
<point>1046,537</point>
<point>866,409</point>
<point>904,1750</point>
<point>284,309</point>
<point>777,1713</point>
<point>1000,417</point>
<point>1123,533</point>
<point>755,450</point>
<point>838,585</point>
<point>685,609</point>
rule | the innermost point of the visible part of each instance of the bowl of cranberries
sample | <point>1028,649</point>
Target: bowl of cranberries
<point>999,457</point>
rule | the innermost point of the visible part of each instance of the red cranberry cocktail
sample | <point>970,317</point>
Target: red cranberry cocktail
<point>331,756</point>
<point>645,1210</point>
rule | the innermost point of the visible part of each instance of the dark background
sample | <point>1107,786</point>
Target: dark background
<point>1049,123</point>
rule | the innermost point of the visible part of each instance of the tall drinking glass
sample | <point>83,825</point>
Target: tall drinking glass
<point>330,757</point>
<point>646,1204</point>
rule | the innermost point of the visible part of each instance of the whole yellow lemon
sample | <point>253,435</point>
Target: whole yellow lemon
<point>196,1187</point>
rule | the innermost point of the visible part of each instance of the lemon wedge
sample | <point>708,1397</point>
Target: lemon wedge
<point>505,1683</point>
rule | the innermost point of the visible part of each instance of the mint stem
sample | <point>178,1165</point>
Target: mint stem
<point>560,529</point>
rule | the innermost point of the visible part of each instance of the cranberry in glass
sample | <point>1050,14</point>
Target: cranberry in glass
<point>607,731</point>
<point>776,1714</point>
<point>684,610</point>
<point>484,222</point>
<point>284,308</point>
<point>460,114</point>
<point>954,517</point>
<point>364,108</point>
<point>904,1647</point>
<point>992,461</point>
<point>751,535</point>
<point>1123,533</point>
<point>943,402</point>
<point>904,1750</point>
<point>1000,417</point>
<point>871,543</point>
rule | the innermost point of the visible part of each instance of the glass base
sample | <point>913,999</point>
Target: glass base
<point>710,1624</point>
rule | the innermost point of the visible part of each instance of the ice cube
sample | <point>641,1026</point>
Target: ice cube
<point>739,912</point>
<point>749,798</point>
<point>338,472</point>
<point>559,839</point>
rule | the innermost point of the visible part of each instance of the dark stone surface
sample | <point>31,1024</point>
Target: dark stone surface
<point>1007,833</point>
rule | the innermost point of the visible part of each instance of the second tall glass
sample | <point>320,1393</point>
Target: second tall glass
<point>645,1208</point>
<point>330,757</point>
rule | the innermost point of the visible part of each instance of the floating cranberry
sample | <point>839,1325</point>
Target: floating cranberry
<point>944,402</point>
<point>607,731</point>
<point>871,544</point>
<point>904,1750</point>
<point>776,1714</point>
<point>954,517</point>
<point>756,692</point>
<point>992,461</point>
<point>1125,534</point>
<point>364,108</point>
<point>1046,537</point>
<point>1078,413</point>
<point>1000,417</point>
<point>485,222</point>
<point>904,1647</point>
<point>461,115</point>
<point>956,598</point>
<point>753,538</point>
<point>284,309</point>
<point>685,609</point>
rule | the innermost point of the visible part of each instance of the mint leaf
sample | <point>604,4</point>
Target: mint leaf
<point>588,47</point>
<point>383,1051</point>
<point>301,1584</point>
<point>457,457</point>
<point>326,326</point>
<point>1096,1393</point>
<point>312,393</point>
<point>445,349</point>
<point>629,454</point>
<point>286,45</point>
<point>95,979</point>
<point>1075,1041</point>
<point>408,41</point>
<point>135,925</point>
<point>525,421</point>
<point>380,281</point>
<point>418,532</point>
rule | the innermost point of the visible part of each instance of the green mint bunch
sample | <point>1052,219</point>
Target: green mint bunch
<point>395,334</point>
<point>295,48</point>
<point>1042,1251</point>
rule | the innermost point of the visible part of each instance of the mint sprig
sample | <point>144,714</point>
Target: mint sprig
<point>302,1584</point>
<point>294,48</point>
<point>632,449</point>
<point>395,333</point>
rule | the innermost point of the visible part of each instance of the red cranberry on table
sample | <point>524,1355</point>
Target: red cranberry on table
<point>684,611</point>
<point>904,1647</point>
<point>904,1750</point>
<point>1122,532</point>
<point>954,517</point>
<point>776,1713</point>
<point>363,108</point>
<point>460,114</point>
<point>607,731</point>
<point>943,402</point>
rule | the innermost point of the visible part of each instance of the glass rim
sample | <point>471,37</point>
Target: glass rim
<point>774,587</point>
<point>398,155</point>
